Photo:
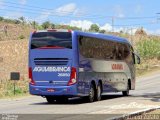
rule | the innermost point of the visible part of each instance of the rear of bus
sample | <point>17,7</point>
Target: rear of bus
<point>52,70</point>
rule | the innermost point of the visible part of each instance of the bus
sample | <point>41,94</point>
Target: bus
<point>65,64</point>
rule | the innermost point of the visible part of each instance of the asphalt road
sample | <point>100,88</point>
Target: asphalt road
<point>146,95</point>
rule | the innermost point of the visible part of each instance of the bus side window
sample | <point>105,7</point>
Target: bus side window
<point>80,40</point>
<point>114,52</point>
<point>119,48</point>
<point>126,51</point>
<point>128,54</point>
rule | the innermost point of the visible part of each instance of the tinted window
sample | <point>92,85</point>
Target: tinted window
<point>104,49</point>
<point>123,51</point>
<point>51,40</point>
<point>97,48</point>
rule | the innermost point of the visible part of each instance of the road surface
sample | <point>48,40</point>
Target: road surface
<point>146,95</point>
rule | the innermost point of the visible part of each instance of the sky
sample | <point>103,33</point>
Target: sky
<point>119,14</point>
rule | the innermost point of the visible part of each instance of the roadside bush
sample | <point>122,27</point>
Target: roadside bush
<point>7,88</point>
<point>21,37</point>
<point>149,48</point>
<point>1,18</point>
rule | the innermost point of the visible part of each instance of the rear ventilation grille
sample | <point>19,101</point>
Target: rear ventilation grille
<point>51,61</point>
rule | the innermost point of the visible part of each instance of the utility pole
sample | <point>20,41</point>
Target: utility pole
<point>112,23</point>
<point>158,17</point>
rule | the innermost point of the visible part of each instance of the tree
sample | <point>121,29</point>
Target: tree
<point>102,31</point>
<point>17,21</point>
<point>46,25</point>
<point>34,24</point>
<point>52,26</point>
<point>22,19</point>
<point>121,32</point>
<point>94,28</point>
<point>1,18</point>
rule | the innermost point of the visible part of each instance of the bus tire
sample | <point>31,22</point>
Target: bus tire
<point>50,99</point>
<point>99,92</point>
<point>92,92</point>
<point>126,93</point>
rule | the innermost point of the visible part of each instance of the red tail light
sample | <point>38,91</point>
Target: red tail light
<point>72,77</point>
<point>30,72</point>
<point>31,77</point>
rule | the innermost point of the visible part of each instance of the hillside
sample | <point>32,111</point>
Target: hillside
<point>9,31</point>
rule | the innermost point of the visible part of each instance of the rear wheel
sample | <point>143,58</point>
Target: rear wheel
<point>91,96</point>
<point>99,92</point>
<point>50,99</point>
<point>126,93</point>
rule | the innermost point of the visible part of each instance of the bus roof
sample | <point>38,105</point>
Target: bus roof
<point>89,34</point>
<point>103,36</point>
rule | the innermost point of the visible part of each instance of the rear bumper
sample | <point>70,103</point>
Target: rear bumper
<point>56,90</point>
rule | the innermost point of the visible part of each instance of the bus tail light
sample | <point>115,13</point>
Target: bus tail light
<point>32,82</point>
<point>72,77</point>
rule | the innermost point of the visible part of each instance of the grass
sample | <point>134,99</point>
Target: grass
<point>141,72</point>
<point>147,66</point>
<point>7,88</point>
<point>149,48</point>
<point>149,51</point>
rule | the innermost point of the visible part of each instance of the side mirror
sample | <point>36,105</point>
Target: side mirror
<point>137,58</point>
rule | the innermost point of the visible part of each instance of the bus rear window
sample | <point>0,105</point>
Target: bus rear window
<point>51,40</point>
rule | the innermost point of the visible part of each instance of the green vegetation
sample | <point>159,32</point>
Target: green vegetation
<point>1,18</point>
<point>94,28</point>
<point>36,25</point>
<point>7,88</point>
<point>102,31</point>
<point>48,24</point>
<point>21,37</point>
<point>149,48</point>
<point>7,20</point>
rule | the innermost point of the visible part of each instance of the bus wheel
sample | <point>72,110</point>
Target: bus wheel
<point>91,96</point>
<point>126,93</point>
<point>50,99</point>
<point>99,92</point>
